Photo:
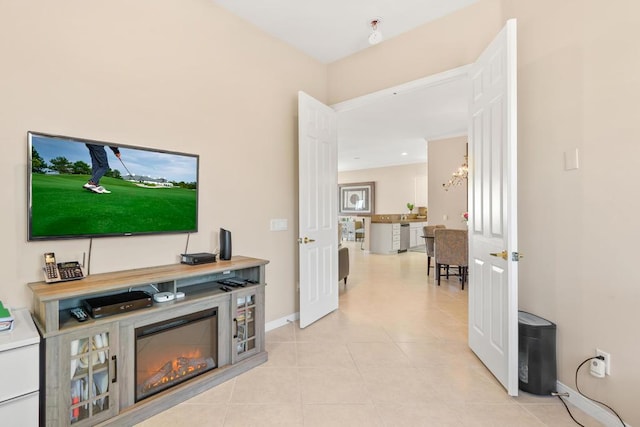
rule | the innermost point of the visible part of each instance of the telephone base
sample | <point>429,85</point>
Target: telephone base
<point>65,275</point>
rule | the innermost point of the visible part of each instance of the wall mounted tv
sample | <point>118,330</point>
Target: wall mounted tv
<point>143,191</point>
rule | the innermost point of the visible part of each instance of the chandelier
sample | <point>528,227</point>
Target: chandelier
<point>458,177</point>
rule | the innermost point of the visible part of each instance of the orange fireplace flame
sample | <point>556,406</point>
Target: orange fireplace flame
<point>188,364</point>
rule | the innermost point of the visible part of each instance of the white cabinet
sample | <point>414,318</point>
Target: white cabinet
<point>19,355</point>
<point>385,238</point>
<point>416,232</point>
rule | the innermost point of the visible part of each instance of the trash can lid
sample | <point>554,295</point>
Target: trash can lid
<point>532,319</point>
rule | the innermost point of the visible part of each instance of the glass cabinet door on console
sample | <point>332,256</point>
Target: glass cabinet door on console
<point>91,376</point>
<point>246,340</point>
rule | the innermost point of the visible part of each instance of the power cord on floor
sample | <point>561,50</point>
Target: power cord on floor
<point>560,395</point>
<point>567,408</point>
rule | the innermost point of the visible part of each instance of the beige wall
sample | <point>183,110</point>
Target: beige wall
<point>185,75</point>
<point>173,74</point>
<point>578,81</point>
<point>395,186</point>
<point>446,156</point>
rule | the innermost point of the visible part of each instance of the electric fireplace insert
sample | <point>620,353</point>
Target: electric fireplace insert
<point>175,350</point>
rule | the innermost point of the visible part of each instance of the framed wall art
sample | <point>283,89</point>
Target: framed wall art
<point>356,198</point>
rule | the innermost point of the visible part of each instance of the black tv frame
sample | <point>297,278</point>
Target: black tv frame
<point>31,237</point>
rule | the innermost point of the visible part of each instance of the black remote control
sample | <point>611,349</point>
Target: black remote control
<point>231,283</point>
<point>79,314</point>
<point>236,282</point>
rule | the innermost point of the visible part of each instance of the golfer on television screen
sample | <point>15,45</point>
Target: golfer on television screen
<point>99,166</point>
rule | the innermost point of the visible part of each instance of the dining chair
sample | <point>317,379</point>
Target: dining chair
<point>451,248</point>
<point>427,232</point>
<point>343,264</point>
<point>359,230</point>
<point>343,257</point>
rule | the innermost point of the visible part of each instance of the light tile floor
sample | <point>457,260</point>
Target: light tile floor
<point>394,354</point>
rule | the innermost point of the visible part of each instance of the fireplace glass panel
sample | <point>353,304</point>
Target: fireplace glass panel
<point>173,351</point>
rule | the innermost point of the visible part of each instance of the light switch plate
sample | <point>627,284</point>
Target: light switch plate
<point>279,224</point>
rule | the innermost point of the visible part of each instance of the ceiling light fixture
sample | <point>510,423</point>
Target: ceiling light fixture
<point>376,36</point>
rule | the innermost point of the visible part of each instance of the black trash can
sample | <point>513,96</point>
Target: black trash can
<point>536,354</point>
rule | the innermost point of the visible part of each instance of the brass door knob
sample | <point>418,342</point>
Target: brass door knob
<point>306,240</point>
<point>515,256</point>
<point>503,254</point>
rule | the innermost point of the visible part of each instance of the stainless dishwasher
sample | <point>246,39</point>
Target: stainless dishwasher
<point>404,237</point>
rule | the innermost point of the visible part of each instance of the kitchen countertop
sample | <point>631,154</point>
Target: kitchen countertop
<point>394,218</point>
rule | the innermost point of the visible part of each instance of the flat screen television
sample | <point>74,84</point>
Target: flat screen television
<point>143,191</point>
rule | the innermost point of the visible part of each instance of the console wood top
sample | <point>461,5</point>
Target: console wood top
<point>103,282</point>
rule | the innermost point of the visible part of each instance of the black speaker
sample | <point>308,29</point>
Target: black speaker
<point>225,244</point>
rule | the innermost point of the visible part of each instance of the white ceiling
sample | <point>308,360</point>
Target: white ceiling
<point>378,133</point>
<point>332,29</point>
<point>374,135</point>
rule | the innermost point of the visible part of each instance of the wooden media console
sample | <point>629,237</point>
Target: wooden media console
<point>88,369</point>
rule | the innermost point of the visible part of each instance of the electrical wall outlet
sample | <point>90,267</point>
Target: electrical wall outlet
<point>607,360</point>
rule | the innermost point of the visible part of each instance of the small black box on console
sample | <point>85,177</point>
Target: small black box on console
<point>199,258</point>
<point>115,304</point>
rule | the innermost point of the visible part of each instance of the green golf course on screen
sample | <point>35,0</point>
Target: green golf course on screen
<point>59,203</point>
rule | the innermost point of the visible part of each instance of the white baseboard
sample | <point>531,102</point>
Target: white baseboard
<point>281,321</point>
<point>591,408</point>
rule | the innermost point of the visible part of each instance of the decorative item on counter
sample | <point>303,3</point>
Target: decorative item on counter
<point>410,207</point>
<point>6,319</point>
<point>422,212</point>
<point>465,216</point>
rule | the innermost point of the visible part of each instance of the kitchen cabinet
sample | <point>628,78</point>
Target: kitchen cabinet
<point>385,238</point>
<point>416,233</point>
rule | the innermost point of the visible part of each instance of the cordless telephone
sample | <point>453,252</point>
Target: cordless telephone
<point>60,272</point>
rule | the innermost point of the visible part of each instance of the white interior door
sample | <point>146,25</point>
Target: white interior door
<point>318,212</point>
<point>493,281</point>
